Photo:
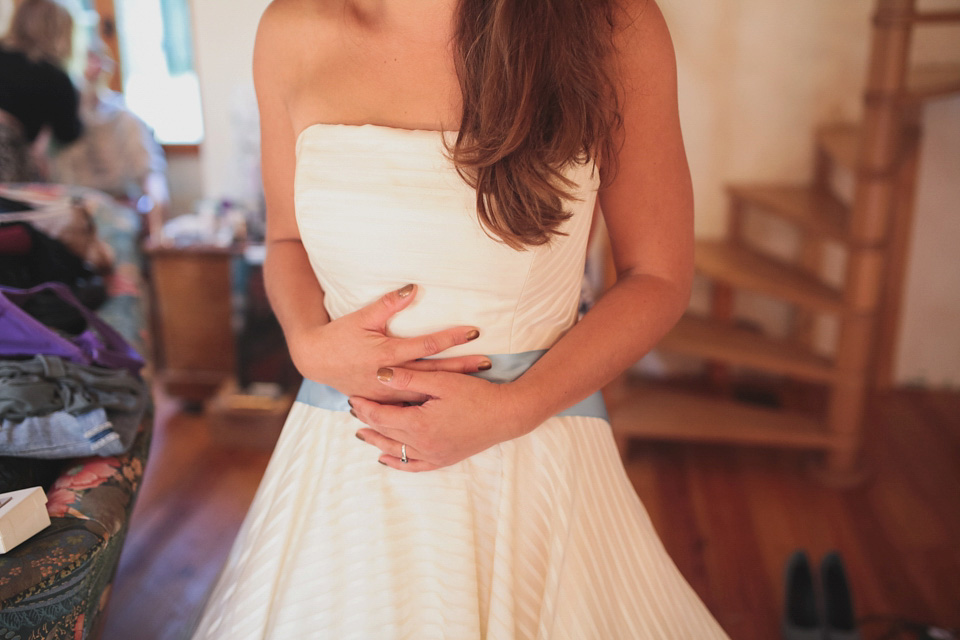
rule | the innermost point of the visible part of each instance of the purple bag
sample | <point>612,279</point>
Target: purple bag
<point>22,335</point>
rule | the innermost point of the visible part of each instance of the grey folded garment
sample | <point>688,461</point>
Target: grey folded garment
<point>53,408</point>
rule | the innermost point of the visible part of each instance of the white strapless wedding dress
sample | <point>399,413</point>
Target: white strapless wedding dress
<point>539,537</point>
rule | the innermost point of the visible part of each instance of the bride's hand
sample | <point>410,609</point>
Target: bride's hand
<point>464,415</point>
<point>347,352</point>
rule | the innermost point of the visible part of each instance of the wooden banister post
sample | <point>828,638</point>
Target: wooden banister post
<point>869,228</point>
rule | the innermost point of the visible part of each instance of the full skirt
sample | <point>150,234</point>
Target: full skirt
<point>539,537</point>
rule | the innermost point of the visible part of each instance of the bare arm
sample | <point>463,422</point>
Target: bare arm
<point>295,294</point>
<point>648,209</point>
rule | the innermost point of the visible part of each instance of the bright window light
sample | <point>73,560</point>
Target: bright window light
<point>159,79</point>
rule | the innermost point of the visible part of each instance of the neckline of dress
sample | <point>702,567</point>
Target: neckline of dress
<point>372,127</point>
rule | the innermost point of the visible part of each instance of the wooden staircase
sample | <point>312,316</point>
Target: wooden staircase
<point>879,156</point>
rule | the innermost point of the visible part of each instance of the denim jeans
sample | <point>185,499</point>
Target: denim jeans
<point>63,435</point>
<point>52,408</point>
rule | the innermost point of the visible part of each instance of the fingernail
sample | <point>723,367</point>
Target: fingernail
<point>385,374</point>
<point>360,436</point>
<point>405,291</point>
<point>473,334</point>
<point>350,402</point>
<point>383,463</point>
<point>486,365</point>
<point>354,414</point>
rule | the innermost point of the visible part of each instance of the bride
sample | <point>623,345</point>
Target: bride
<point>431,169</point>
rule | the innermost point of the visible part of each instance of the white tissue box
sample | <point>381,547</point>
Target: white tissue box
<point>23,514</point>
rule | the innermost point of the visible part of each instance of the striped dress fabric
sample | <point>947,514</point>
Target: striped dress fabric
<point>539,537</point>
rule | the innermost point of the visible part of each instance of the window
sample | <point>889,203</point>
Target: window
<point>152,43</point>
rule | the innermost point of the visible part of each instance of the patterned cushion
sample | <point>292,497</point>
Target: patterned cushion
<point>59,580</point>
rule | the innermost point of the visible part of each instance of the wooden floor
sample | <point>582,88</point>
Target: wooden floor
<point>728,517</point>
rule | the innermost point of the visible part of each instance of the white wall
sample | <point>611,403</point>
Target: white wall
<point>929,349</point>
<point>224,35</point>
<point>6,11</point>
<point>186,184</point>
<point>756,77</point>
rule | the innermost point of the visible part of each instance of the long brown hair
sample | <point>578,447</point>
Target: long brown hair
<point>538,94</point>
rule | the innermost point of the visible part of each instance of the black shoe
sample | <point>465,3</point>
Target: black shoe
<point>839,619</point>
<point>801,615</point>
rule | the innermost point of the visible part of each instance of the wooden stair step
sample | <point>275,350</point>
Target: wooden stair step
<point>715,340</point>
<point>645,411</point>
<point>932,16</point>
<point>841,142</point>
<point>930,81</point>
<point>814,209</point>
<point>744,268</point>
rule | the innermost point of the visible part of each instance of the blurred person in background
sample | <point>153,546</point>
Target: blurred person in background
<point>38,101</point>
<point>117,152</point>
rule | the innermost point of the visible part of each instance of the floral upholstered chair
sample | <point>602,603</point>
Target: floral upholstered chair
<point>56,585</point>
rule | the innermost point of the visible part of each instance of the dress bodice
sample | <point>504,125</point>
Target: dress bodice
<point>379,207</point>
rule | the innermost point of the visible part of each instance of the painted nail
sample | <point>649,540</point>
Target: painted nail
<point>486,365</point>
<point>385,374</point>
<point>354,414</point>
<point>405,291</point>
<point>473,334</point>
<point>360,436</point>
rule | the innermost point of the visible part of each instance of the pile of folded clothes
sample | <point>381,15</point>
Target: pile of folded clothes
<point>70,384</point>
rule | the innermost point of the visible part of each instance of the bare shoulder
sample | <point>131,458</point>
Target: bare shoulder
<point>288,18</point>
<point>643,45</point>
<point>636,18</point>
<point>294,38</point>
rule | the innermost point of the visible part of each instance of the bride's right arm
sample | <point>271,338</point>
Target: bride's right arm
<point>295,294</point>
<point>347,352</point>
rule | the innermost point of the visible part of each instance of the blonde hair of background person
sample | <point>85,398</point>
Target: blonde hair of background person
<point>42,30</point>
<point>35,84</point>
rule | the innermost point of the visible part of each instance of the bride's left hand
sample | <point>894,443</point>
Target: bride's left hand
<point>464,415</point>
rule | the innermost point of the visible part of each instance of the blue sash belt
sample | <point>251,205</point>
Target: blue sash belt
<point>506,368</point>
